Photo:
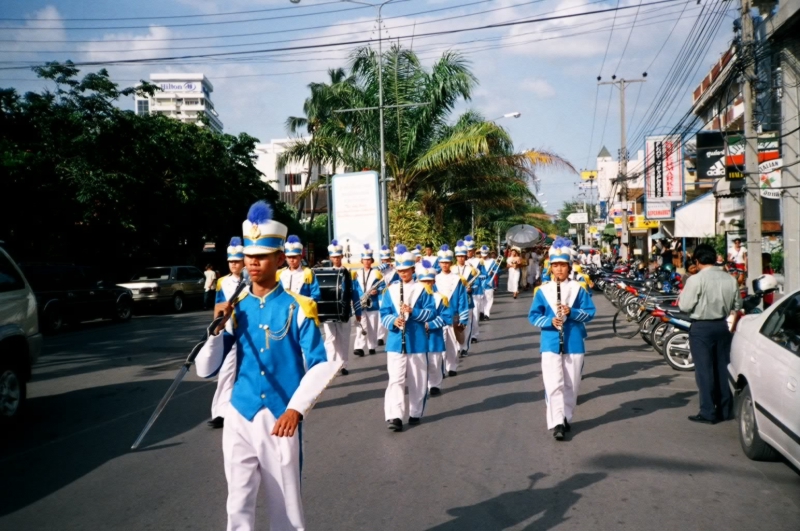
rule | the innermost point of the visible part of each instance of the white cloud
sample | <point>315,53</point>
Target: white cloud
<point>45,25</point>
<point>135,47</point>
<point>540,88</point>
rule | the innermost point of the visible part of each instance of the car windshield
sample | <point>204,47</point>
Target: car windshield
<point>152,273</point>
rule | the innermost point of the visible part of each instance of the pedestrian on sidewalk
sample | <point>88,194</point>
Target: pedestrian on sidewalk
<point>709,297</point>
<point>209,288</point>
<point>561,308</point>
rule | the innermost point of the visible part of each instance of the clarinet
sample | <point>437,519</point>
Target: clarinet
<point>403,315</point>
<point>560,316</point>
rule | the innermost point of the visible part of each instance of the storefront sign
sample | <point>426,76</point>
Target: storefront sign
<point>710,155</point>
<point>768,150</point>
<point>663,175</point>
<point>770,178</point>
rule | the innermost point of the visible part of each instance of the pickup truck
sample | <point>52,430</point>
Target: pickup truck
<point>172,286</point>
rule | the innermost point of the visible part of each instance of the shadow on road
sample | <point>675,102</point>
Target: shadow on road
<point>489,404</point>
<point>627,386</point>
<point>625,369</point>
<point>491,380</point>
<point>65,437</point>
<point>633,409</point>
<point>511,509</point>
<point>515,363</point>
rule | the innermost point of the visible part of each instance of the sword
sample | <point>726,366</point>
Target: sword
<point>213,328</point>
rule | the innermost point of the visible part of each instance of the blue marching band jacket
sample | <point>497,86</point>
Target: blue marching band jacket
<point>444,317</point>
<point>423,308</point>
<point>543,310</point>
<point>364,281</point>
<point>301,281</point>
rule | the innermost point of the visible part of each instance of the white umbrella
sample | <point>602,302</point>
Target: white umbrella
<point>524,236</point>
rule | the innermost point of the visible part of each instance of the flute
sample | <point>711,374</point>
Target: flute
<point>403,315</point>
<point>560,315</point>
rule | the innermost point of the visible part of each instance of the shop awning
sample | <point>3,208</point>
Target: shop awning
<point>697,219</point>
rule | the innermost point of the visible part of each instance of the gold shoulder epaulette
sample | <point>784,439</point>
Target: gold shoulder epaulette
<point>308,305</point>
<point>308,275</point>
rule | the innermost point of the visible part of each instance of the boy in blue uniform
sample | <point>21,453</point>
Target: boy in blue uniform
<point>453,287</point>
<point>470,278</point>
<point>227,374</point>
<point>367,283</point>
<point>281,371</point>
<point>478,295</point>
<point>337,334</point>
<point>405,308</point>
<point>296,278</point>
<point>563,332</point>
<point>435,329</point>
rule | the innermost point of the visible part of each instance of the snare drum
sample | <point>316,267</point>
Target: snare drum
<point>335,287</point>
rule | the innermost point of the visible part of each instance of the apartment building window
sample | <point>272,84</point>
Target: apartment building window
<point>143,107</point>
<point>292,179</point>
<point>191,102</point>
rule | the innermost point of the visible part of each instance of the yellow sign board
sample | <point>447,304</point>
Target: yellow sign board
<point>618,220</point>
<point>589,175</point>
<point>641,223</point>
<point>592,230</point>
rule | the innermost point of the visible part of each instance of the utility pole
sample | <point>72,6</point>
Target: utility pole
<point>622,177</point>
<point>752,198</point>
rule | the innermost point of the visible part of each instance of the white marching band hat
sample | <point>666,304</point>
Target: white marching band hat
<point>402,258</point>
<point>235,249</point>
<point>469,242</point>
<point>561,250</point>
<point>429,273</point>
<point>445,254</point>
<point>262,234</point>
<point>385,252</point>
<point>367,253</point>
<point>484,250</point>
<point>293,247</point>
<point>335,249</point>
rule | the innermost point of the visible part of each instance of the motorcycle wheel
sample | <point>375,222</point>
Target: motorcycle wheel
<point>677,352</point>
<point>632,306</point>
<point>658,335</point>
<point>647,327</point>
<point>624,326</point>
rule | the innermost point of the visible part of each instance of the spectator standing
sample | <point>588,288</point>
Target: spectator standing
<point>766,269</point>
<point>666,254</point>
<point>709,297</point>
<point>210,287</point>
<point>737,255</point>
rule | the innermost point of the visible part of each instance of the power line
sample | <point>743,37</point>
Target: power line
<point>608,44</point>
<point>627,41</point>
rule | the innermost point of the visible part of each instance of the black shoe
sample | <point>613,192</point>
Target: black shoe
<point>567,427</point>
<point>216,423</point>
<point>413,421</point>
<point>371,351</point>
<point>558,433</point>
<point>395,424</point>
<point>701,419</point>
<point>359,352</point>
<point>451,373</point>
<point>435,391</point>
<point>464,353</point>
<point>345,372</point>
<point>486,318</point>
<point>474,340</point>
<point>482,317</point>
<point>380,342</point>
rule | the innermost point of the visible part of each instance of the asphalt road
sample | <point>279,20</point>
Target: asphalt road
<point>481,459</point>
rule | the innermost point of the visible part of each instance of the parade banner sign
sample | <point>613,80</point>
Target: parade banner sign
<point>356,213</point>
<point>663,181</point>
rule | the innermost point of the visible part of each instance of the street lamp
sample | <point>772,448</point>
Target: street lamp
<point>384,192</point>
<point>515,114</point>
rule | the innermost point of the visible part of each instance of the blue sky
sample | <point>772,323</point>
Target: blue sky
<point>546,71</point>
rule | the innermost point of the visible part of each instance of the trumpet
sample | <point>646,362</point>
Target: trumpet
<point>366,300</point>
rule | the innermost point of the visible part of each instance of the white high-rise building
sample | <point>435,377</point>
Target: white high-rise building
<point>185,97</point>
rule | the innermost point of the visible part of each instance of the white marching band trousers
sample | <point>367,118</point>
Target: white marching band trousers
<point>488,302</point>
<point>562,379</point>
<point>337,340</point>
<point>253,459</point>
<point>406,370</point>
<point>370,321</point>
<point>222,396</point>
<point>480,301</point>
<point>468,331</point>
<point>451,349</point>
<point>435,376</point>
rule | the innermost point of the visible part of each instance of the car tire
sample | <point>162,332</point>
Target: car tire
<point>753,445</point>
<point>178,303</point>
<point>13,391</point>
<point>123,310</point>
<point>52,320</point>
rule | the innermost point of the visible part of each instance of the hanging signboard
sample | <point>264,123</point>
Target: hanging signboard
<point>663,175</point>
<point>589,175</point>
<point>768,150</point>
<point>710,155</point>
<point>770,178</point>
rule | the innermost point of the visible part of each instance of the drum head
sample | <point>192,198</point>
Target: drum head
<point>335,289</point>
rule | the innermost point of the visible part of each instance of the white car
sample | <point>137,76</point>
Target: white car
<point>764,374</point>
<point>20,340</point>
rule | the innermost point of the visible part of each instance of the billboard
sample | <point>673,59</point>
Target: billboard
<point>663,181</point>
<point>356,213</point>
<point>710,155</point>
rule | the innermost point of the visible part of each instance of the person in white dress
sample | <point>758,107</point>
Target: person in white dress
<point>514,271</point>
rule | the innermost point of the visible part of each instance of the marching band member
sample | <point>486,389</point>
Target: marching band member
<point>582,278</point>
<point>432,258</point>
<point>389,275</point>
<point>296,278</point>
<point>418,267</point>
<point>488,287</point>
<point>434,329</point>
<point>405,308</point>
<point>561,308</point>
<point>453,287</point>
<point>470,277</point>
<point>282,370</point>
<point>337,334</point>
<point>367,283</point>
<point>477,288</point>
<point>227,374</point>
